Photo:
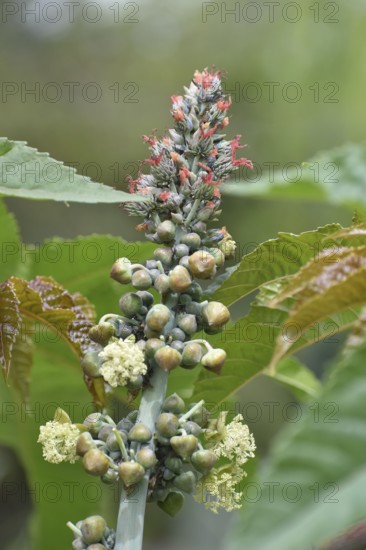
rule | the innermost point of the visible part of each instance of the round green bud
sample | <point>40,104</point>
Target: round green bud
<point>218,255</point>
<point>174,404</point>
<point>109,477</point>
<point>188,323</point>
<point>203,461</point>
<point>102,333</point>
<point>215,315</point>
<point>78,544</point>
<point>168,474</point>
<point>184,262</point>
<point>196,291</point>
<point>205,214</point>
<point>181,250</point>
<point>166,231</point>
<point>104,432</point>
<point>92,529</point>
<point>130,304</point>
<point>195,308</point>
<point>179,279</point>
<point>192,428</point>
<point>192,240</point>
<point>91,364</point>
<point>84,443</point>
<point>172,503</point>
<point>140,433</point>
<point>124,331</point>
<point>167,424</point>
<point>164,255</point>
<point>97,546</point>
<point>112,442</point>
<point>131,473</point>
<point>168,358</point>
<point>122,271</point>
<point>146,297</point>
<point>192,354</point>
<point>178,345</point>
<point>184,445</point>
<point>152,345</point>
<point>202,265</point>
<point>141,279</point>
<point>95,462</point>
<point>94,422</point>
<point>162,283</point>
<point>174,464</point>
<point>185,299</point>
<point>158,317</point>
<point>125,424</point>
<point>146,457</point>
<point>214,359</point>
<point>165,441</point>
<point>200,227</point>
<point>177,334</point>
<point>185,482</point>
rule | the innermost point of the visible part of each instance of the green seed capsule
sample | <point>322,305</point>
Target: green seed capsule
<point>112,442</point>
<point>177,334</point>
<point>185,482</point>
<point>179,279</point>
<point>97,546</point>
<point>122,271</point>
<point>181,250</point>
<point>94,422</point>
<point>168,358</point>
<point>192,240</point>
<point>214,359</point>
<point>141,279</point>
<point>215,315</point>
<point>140,433</point>
<point>158,317</point>
<point>172,504</point>
<point>174,404</point>
<point>174,464</point>
<point>166,231</point>
<point>84,443</point>
<point>146,297</point>
<point>91,364</point>
<point>192,428</point>
<point>102,333</point>
<point>92,529</point>
<point>152,345</point>
<point>95,462</point>
<point>109,477</point>
<point>168,474</point>
<point>188,323</point>
<point>167,424</point>
<point>192,354</point>
<point>218,255</point>
<point>146,457</point>
<point>78,544</point>
<point>131,473</point>
<point>164,255</point>
<point>184,445</point>
<point>202,265</point>
<point>203,461</point>
<point>162,283</point>
<point>104,432</point>
<point>130,304</point>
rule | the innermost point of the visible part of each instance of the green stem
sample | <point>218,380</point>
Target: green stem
<point>130,524</point>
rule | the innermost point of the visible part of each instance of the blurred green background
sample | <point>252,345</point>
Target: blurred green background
<point>134,56</point>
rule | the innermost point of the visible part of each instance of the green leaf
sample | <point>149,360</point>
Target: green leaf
<point>27,173</point>
<point>273,259</point>
<point>21,364</point>
<point>297,377</point>
<point>9,323</point>
<point>313,484</point>
<point>10,246</point>
<point>336,176</point>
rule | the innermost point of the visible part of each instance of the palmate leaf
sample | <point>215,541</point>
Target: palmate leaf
<point>316,471</point>
<point>336,176</point>
<point>47,303</point>
<point>27,173</point>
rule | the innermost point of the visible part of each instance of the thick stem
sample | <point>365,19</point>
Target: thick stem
<point>130,525</point>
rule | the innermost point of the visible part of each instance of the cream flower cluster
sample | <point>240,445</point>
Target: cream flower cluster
<point>237,443</point>
<point>123,361</point>
<point>59,441</point>
<point>218,489</point>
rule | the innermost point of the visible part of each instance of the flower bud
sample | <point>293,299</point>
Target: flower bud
<point>218,255</point>
<point>174,404</point>
<point>140,433</point>
<point>168,358</point>
<point>94,422</point>
<point>179,279</point>
<point>178,334</point>
<point>104,432</point>
<point>196,291</point>
<point>203,461</point>
<point>84,443</point>
<point>184,445</point>
<point>178,345</point>
<point>201,417</point>
<point>158,317</point>
<point>130,304</point>
<point>166,231</point>
<point>146,457</point>
<point>124,331</point>
<point>122,271</point>
<point>192,428</point>
<point>202,265</point>
<point>109,477</point>
<point>214,359</point>
<point>174,464</point>
<point>92,529</point>
<point>192,354</point>
<point>172,504</point>
<point>146,297</point>
<point>215,315</point>
<point>200,227</point>
<point>185,482</point>
<point>164,255</point>
<point>188,323</point>
<point>152,345</point>
<point>181,250</point>
<point>184,262</point>
<point>97,546</point>
<point>102,333</point>
<point>192,240</point>
<point>95,462</point>
<point>141,279</point>
<point>78,544</point>
<point>112,442</point>
<point>168,474</point>
<point>167,424</point>
<point>131,473</point>
<point>162,283</point>
<point>91,364</point>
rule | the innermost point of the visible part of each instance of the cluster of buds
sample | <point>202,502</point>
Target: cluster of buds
<point>92,533</point>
